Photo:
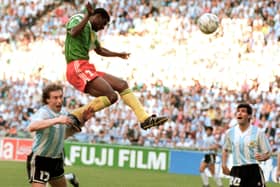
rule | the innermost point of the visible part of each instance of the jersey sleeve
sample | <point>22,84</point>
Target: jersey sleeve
<point>41,114</point>
<point>74,21</point>
<point>264,145</point>
<point>227,142</point>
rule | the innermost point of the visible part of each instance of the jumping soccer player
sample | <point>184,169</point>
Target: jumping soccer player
<point>80,39</point>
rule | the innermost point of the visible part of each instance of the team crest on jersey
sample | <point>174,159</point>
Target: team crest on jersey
<point>252,144</point>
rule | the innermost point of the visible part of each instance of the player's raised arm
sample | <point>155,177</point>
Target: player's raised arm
<point>76,30</point>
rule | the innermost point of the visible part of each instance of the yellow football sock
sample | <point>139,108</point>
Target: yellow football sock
<point>96,104</point>
<point>133,102</point>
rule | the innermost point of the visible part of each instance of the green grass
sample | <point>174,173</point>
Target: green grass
<point>13,174</point>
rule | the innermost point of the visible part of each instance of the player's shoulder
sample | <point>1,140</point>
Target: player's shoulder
<point>77,16</point>
<point>41,113</point>
<point>256,129</point>
<point>43,109</point>
<point>75,19</point>
<point>253,127</point>
<point>231,129</point>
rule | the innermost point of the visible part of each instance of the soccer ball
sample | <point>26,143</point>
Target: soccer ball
<point>208,23</point>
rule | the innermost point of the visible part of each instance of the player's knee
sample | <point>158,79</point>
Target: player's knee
<point>113,97</point>
<point>201,169</point>
<point>122,86</point>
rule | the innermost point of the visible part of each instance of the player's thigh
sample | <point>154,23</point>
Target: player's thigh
<point>60,182</point>
<point>99,87</point>
<point>117,83</point>
<point>34,184</point>
<point>203,166</point>
<point>211,168</point>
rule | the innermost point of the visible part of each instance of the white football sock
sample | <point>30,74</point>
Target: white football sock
<point>204,179</point>
<point>218,180</point>
<point>69,176</point>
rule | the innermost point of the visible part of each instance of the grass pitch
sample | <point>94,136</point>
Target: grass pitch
<point>13,174</point>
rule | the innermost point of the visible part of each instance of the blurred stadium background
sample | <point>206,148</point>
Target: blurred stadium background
<point>177,71</point>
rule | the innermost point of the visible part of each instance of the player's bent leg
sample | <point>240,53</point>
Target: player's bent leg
<point>105,94</point>
<point>203,175</point>
<point>133,102</point>
<point>211,168</point>
<point>215,175</point>
<point>76,124</point>
<point>146,121</point>
<point>116,83</point>
<point>96,104</point>
<point>203,166</point>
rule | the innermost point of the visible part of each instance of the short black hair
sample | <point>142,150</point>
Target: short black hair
<point>103,13</point>
<point>209,128</point>
<point>247,106</point>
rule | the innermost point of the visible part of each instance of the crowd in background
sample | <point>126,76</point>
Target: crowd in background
<point>175,70</point>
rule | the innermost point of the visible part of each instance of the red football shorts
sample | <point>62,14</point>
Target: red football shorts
<point>80,72</point>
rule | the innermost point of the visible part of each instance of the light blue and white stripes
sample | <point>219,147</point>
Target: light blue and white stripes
<point>49,142</point>
<point>244,145</point>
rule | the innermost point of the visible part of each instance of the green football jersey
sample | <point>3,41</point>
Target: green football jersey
<point>77,48</point>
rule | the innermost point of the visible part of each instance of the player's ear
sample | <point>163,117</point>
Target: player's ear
<point>249,118</point>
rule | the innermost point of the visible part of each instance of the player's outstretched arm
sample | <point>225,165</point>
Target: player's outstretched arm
<point>42,124</point>
<point>107,53</point>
